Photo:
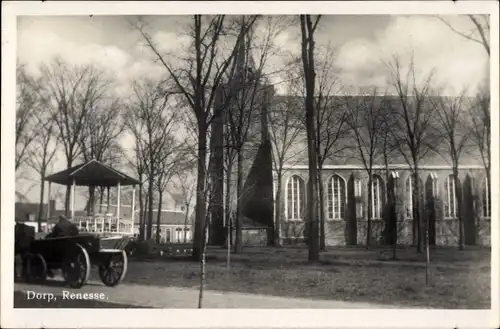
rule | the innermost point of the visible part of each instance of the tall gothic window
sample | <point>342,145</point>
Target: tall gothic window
<point>295,198</point>
<point>450,202</point>
<point>336,197</point>
<point>409,190</point>
<point>377,197</point>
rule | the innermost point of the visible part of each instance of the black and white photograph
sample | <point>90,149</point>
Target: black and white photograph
<point>290,157</point>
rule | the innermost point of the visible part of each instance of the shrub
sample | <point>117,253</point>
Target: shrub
<point>144,247</point>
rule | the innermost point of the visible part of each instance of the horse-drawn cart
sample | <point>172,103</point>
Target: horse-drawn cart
<point>102,239</point>
<point>75,256</point>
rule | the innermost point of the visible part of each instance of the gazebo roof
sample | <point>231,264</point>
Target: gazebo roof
<point>92,173</point>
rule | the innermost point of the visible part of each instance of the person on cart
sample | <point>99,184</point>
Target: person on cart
<point>63,228</point>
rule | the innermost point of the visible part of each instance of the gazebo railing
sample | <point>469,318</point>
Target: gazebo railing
<point>103,224</point>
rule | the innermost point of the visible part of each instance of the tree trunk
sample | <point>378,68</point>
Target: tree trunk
<point>394,217</point>
<point>145,214</point>
<point>40,206</point>
<point>370,210</point>
<point>101,198</point>
<point>141,213</point>
<point>458,197</point>
<point>277,219</point>
<point>322,244</point>
<point>309,78</point>
<point>91,201</point>
<point>312,208</point>
<point>227,205</point>
<point>417,214</point>
<point>238,238</point>
<point>387,213</point>
<point>150,207</point>
<point>68,192</point>
<point>427,250</point>
<point>202,263</point>
<point>67,200</point>
<point>186,217</point>
<point>158,217</point>
<point>216,172</point>
<point>200,208</point>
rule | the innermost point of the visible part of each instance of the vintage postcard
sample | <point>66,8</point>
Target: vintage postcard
<point>267,164</point>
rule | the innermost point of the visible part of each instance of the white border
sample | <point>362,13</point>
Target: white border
<point>239,317</point>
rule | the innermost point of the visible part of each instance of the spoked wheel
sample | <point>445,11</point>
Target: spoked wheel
<point>36,268</point>
<point>76,266</point>
<point>114,271</point>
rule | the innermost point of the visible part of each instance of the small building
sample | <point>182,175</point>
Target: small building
<point>175,226</point>
<point>27,213</point>
<point>173,220</point>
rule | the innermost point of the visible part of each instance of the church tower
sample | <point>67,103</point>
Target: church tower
<point>245,80</point>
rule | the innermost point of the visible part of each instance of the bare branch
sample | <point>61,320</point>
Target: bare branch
<point>481,28</point>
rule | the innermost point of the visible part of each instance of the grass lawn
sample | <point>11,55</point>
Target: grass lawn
<point>458,279</point>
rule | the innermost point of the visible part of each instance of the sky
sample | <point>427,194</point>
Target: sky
<point>362,42</point>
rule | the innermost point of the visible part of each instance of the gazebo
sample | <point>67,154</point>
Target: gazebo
<point>95,174</point>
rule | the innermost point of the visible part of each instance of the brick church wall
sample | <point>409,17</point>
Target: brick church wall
<point>446,229</point>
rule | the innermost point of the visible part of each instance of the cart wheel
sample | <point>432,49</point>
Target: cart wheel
<point>76,266</point>
<point>113,273</point>
<point>36,268</point>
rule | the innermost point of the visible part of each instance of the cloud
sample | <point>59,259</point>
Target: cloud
<point>171,42</point>
<point>37,46</point>
<point>40,46</point>
<point>458,63</point>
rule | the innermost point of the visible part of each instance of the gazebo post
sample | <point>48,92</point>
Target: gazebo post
<point>107,202</point>
<point>93,209</point>
<point>118,209</point>
<point>73,200</point>
<point>48,209</point>
<point>48,204</point>
<point>133,209</point>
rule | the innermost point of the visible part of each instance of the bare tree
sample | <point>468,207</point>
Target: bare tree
<point>367,120</point>
<point>229,173</point>
<point>414,132</point>
<point>73,92</point>
<point>206,224</point>
<point>307,31</point>
<point>99,140</point>
<point>183,183</point>
<point>172,161</point>
<point>388,149</point>
<point>151,120</point>
<point>480,109</point>
<point>198,80</point>
<point>480,127</point>
<point>286,130</point>
<point>248,96</point>
<point>330,125</point>
<point>138,164</point>
<point>452,122</point>
<point>249,102</point>
<point>41,155</point>
<point>27,103</point>
<point>480,33</point>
